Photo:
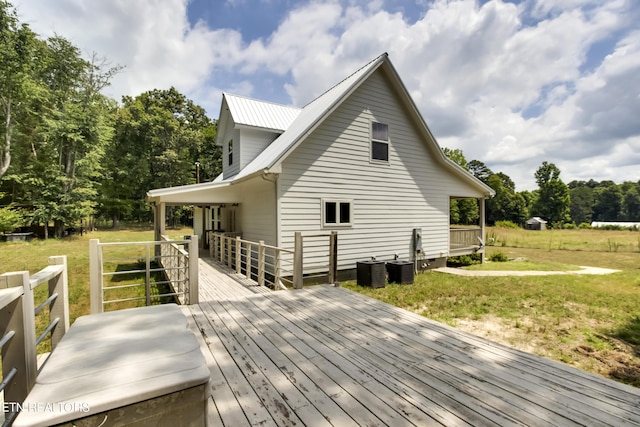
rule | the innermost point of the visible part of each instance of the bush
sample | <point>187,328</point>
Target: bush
<point>464,260</point>
<point>569,226</point>
<point>584,226</point>
<point>506,224</point>
<point>10,219</point>
<point>498,257</point>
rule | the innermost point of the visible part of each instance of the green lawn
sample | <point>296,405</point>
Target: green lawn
<point>591,322</point>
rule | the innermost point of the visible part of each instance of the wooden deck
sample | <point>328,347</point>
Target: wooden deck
<point>329,356</point>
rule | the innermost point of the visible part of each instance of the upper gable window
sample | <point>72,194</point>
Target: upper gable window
<point>379,141</point>
<point>230,152</point>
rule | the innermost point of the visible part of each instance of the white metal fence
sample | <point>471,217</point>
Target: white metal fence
<point>178,267</point>
<point>18,327</point>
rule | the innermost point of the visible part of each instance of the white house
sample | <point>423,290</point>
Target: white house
<point>358,159</point>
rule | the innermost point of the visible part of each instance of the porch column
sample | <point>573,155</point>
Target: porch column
<point>482,232</point>
<point>159,218</point>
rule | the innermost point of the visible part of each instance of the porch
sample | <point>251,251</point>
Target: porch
<point>324,355</point>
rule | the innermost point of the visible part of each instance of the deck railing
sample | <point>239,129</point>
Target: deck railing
<point>179,269</point>
<point>276,267</point>
<point>465,238</point>
<point>18,331</point>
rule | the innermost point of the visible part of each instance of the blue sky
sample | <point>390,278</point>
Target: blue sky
<point>511,83</point>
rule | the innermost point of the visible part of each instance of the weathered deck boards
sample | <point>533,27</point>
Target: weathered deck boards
<point>220,282</point>
<point>328,356</point>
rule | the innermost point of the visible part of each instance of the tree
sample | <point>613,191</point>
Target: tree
<point>506,205</point>
<point>461,211</point>
<point>607,204</point>
<point>581,208</point>
<point>16,51</point>
<point>479,170</point>
<point>159,135</point>
<point>631,204</point>
<point>553,199</point>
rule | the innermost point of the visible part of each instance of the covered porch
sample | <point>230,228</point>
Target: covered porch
<point>467,239</point>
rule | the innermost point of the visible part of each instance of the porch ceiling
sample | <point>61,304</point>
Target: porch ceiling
<point>196,194</point>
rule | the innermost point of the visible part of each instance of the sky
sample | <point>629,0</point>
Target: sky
<point>510,83</point>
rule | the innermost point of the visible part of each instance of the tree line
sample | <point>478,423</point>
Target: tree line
<point>562,205</point>
<point>69,153</point>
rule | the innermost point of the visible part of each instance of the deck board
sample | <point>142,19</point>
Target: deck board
<point>328,356</point>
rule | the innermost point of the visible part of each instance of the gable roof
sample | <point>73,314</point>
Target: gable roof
<point>311,115</point>
<point>260,114</point>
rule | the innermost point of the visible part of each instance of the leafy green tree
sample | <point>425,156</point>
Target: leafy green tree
<point>581,209</point>
<point>479,170</point>
<point>461,211</point>
<point>631,203</point>
<point>159,135</point>
<point>506,205</point>
<point>607,204</point>
<point>553,200</point>
<point>17,52</point>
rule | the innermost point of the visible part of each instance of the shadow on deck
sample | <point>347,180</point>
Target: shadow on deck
<point>328,356</point>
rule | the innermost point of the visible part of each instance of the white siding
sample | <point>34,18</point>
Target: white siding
<point>230,170</point>
<point>252,143</point>
<point>256,213</point>
<point>389,200</point>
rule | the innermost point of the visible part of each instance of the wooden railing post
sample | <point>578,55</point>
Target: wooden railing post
<point>261,263</point>
<point>147,275</point>
<point>297,261</point>
<point>277,270</point>
<point>95,273</point>
<point>59,308</point>
<point>238,254</point>
<point>333,257</point>
<point>20,351</point>
<point>212,244</point>
<point>228,244</point>
<point>249,261</point>
<point>193,297</point>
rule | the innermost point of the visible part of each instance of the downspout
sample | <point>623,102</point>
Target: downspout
<point>265,176</point>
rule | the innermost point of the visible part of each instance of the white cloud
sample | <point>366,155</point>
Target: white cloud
<point>505,83</point>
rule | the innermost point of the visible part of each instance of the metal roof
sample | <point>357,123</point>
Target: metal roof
<point>260,114</point>
<point>297,123</point>
<point>309,116</point>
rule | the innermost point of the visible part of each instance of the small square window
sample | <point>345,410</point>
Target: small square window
<point>337,213</point>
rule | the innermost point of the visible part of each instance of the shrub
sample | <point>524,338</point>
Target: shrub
<point>464,260</point>
<point>584,226</point>
<point>10,219</point>
<point>569,226</point>
<point>506,224</point>
<point>498,257</point>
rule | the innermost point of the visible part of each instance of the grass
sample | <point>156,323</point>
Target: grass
<point>523,265</point>
<point>33,257</point>
<point>591,322</point>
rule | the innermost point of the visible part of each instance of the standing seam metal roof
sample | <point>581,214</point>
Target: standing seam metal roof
<point>261,114</point>
<point>308,117</point>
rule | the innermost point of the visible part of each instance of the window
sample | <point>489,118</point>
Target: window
<point>230,152</point>
<point>379,141</point>
<point>337,213</point>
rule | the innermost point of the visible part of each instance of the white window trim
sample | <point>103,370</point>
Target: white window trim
<point>230,152</point>
<point>338,224</point>
<point>372,140</point>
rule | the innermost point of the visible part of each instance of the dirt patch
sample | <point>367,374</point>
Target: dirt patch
<point>562,341</point>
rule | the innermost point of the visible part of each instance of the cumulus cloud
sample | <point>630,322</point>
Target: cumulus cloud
<point>506,83</point>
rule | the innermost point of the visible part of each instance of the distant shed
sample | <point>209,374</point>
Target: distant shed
<point>536,223</point>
